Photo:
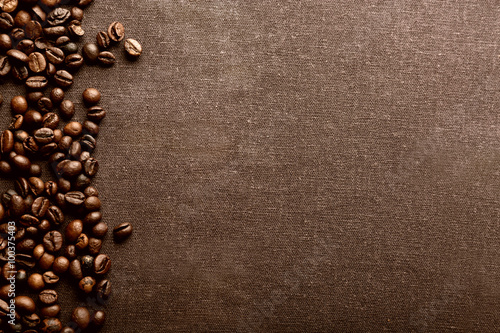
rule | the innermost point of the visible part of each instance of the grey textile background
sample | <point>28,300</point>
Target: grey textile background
<point>302,166</point>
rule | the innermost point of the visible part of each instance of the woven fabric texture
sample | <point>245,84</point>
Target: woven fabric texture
<point>301,166</point>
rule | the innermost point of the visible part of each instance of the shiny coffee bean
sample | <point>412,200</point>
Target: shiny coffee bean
<point>60,265</point>
<point>122,230</point>
<point>102,264</point>
<point>73,230</point>
<point>53,241</point>
<point>50,311</point>
<point>106,58</point>
<point>90,52</point>
<point>100,229</point>
<point>96,114</point>
<point>35,282</point>
<point>57,96</point>
<point>51,325</point>
<point>132,48</point>
<point>116,31</point>
<point>87,284</point>
<point>49,278</point>
<point>63,79</point>
<point>81,316</point>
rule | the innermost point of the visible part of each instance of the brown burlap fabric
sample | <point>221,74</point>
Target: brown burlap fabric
<point>301,166</point>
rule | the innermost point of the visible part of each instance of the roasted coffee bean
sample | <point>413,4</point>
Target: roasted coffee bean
<point>91,166</point>
<point>36,185</point>
<point>92,203</point>
<point>17,56</point>
<point>88,142</point>
<point>83,3</point>
<point>33,30</point>
<point>53,241</point>
<point>48,296</point>
<point>6,21</point>
<point>37,62</point>
<point>90,52</point>
<point>63,79</point>
<point>19,104</point>
<point>54,55</point>
<point>44,135</point>
<point>75,269</point>
<point>25,260</point>
<point>116,31</point>
<point>55,215</point>
<point>33,119</point>
<point>75,198</point>
<point>51,325</point>
<point>82,242</point>
<point>35,282</point>
<point>26,245</point>
<point>51,71</point>
<point>30,145</point>
<point>50,311</point>
<point>57,96</point>
<point>70,252</point>
<point>75,29</point>
<point>82,181</point>
<point>103,289</point>
<point>58,16</point>
<point>91,96</point>
<point>58,134</point>
<point>50,277</point>
<point>96,114</point>
<point>69,169</point>
<point>22,186</point>
<point>28,220</point>
<point>22,18</point>
<point>22,163</point>
<point>87,284</point>
<point>132,47</point>
<point>5,42</point>
<point>6,199</point>
<point>17,206</point>
<point>100,229</point>
<point>44,226</point>
<point>38,251</point>
<point>6,142</point>
<point>73,230</point>
<point>4,308</point>
<point>30,321</point>
<point>20,135</point>
<point>85,155</point>
<point>94,246</point>
<point>54,32</point>
<point>73,129</point>
<point>103,40</point>
<point>61,265</point>
<point>75,150</point>
<point>44,105</point>
<point>46,261</point>
<point>92,218</point>
<point>19,73</point>
<point>91,191</point>
<point>122,230</point>
<point>27,46</point>
<point>37,82</point>
<point>64,186</point>
<point>50,188</point>
<point>106,58</point>
<point>67,109</point>
<point>24,304</point>
<point>17,34</point>
<point>74,61</point>
<point>33,96</point>
<point>42,44</point>
<point>76,13</point>
<point>91,128</point>
<point>98,318</point>
<point>81,316</point>
<point>40,207</point>
<point>5,66</point>
<point>51,120</point>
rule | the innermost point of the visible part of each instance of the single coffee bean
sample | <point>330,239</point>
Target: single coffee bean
<point>132,48</point>
<point>19,104</point>
<point>75,269</point>
<point>82,181</point>
<point>53,241</point>
<point>67,109</point>
<point>33,96</point>
<point>22,163</point>
<point>51,120</point>
<point>57,96</point>
<point>38,251</point>
<point>102,264</point>
<point>91,128</point>
<point>33,119</point>
<point>91,191</point>
<point>17,206</point>
<point>6,21</point>
<point>54,55</point>
<point>58,134</point>
<point>81,316</point>
<point>30,145</point>
<point>4,308</point>
<point>85,155</point>
<point>61,265</point>
<point>28,220</point>
<point>63,79</point>
<point>90,52</point>
<point>88,142</point>
<point>48,296</point>
<point>19,73</point>
<point>30,321</point>
<point>37,82</point>
<point>96,114</point>
<point>27,46</point>
<point>122,230</point>
<point>106,58</point>
<point>54,32</point>
<point>44,105</point>
<point>25,260</point>
<point>25,304</point>
<point>17,56</point>
<point>58,16</point>
<point>69,169</point>
<point>50,311</point>
<point>103,40</point>
<point>75,29</point>
<point>22,186</point>
<point>82,242</point>
<point>98,318</point>
<point>20,135</point>
<point>76,13</point>
<point>74,61</point>
<point>5,42</point>
<point>50,188</point>
<point>91,166</point>
<point>94,246</point>
<point>100,229</point>
<point>33,30</point>
<point>44,135</point>
<point>5,168</point>
<point>35,282</point>
<point>116,31</point>
<point>64,186</point>
<point>55,215</point>
<point>17,34</point>
<point>103,289</point>
<point>87,284</point>
<point>75,150</point>
<point>37,62</point>
<point>44,226</point>
<point>22,18</point>
<point>46,261</point>
<point>6,142</point>
<point>51,325</point>
<point>91,96</point>
<point>26,245</point>
<point>5,66</point>
<point>70,252</point>
<point>49,277</point>
<point>75,198</point>
<point>73,230</point>
<point>92,218</point>
<point>40,207</point>
<point>83,3</point>
<point>92,203</point>
<point>43,44</point>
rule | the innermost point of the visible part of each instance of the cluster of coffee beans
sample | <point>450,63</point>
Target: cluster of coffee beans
<point>51,224</point>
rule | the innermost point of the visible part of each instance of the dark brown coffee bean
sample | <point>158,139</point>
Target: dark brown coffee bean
<point>35,282</point>
<point>74,61</point>
<point>132,48</point>
<point>27,46</point>
<point>6,142</point>
<point>94,246</point>
<point>64,186</point>
<point>116,31</point>
<point>75,29</point>
<point>92,218</point>
<point>30,145</point>
<point>37,62</point>
<point>25,304</point>
<point>44,105</point>
<point>63,79</point>
<point>50,277</point>
<point>76,13</point>
<point>88,142</point>
<point>5,42</point>
<point>40,207</point>
<point>54,55</point>
<point>51,325</point>
<point>42,44</point>
<point>44,135</point>
<point>48,296</point>
<point>22,18</point>
<point>75,198</point>
<point>17,206</point>
<point>90,52</point>
<point>5,66</point>
<point>70,252</point>
<point>73,129</point>
<point>37,82</point>
<point>6,21</point>
<point>69,169</point>
<point>50,311</point>
<point>61,265</point>
<point>100,229</point>
<point>98,318</point>
<point>19,73</point>
<point>87,284</point>
<point>81,316</point>
<point>22,163</point>
<point>91,96</point>
<point>75,150</point>
<point>51,120</point>
<point>33,119</point>
<point>57,96</point>
<point>75,269</point>
<point>55,215</point>
<point>30,321</point>
<point>91,191</point>
<point>82,242</point>
<point>92,203</point>
<point>46,261</point>
<point>44,226</point>
<point>91,128</point>
<point>58,16</point>
<point>103,289</point>
<point>67,109</point>
<point>26,245</point>
<point>73,230</point>
<point>33,30</point>
<point>22,186</point>
<point>54,32</point>
<point>96,114</point>
<point>17,56</point>
<point>53,241</point>
<point>50,188</point>
<point>19,104</point>
<point>106,58</point>
<point>122,230</point>
<point>91,166</point>
<point>103,40</point>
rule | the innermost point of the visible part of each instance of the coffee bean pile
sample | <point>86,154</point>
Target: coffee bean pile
<point>50,223</point>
